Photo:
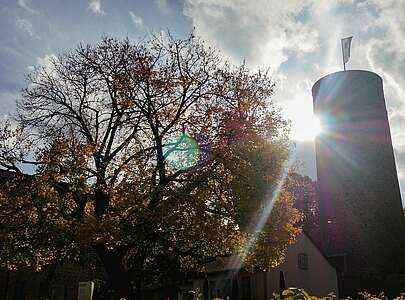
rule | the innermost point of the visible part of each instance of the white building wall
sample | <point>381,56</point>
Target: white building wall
<point>318,279</point>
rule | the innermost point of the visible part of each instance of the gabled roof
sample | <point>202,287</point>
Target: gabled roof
<point>227,264</point>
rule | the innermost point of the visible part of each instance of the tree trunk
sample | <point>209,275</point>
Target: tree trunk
<point>140,293</point>
<point>117,275</point>
<point>101,202</point>
<point>139,279</point>
<point>44,289</point>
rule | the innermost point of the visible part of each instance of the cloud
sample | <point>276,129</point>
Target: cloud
<point>26,26</point>
<point>163,6</point>
<point>96,8</point>
<point>24,4</point>
<point>300,41</point>
<point>137,20</point>
<point>45,62</point>
<point>262,31</point>
<point>7,104</point>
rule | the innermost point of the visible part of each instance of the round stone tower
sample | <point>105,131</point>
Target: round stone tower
<point>361,219</point>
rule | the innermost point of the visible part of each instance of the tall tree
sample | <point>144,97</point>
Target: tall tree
<point>304,191</point>
<point>151,158</point>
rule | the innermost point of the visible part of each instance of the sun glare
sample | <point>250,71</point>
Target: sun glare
<point>305,128</point>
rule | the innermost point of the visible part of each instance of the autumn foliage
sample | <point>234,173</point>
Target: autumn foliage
<point>151,158</point>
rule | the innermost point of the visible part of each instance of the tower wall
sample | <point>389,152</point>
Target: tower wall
<point>360,204</point>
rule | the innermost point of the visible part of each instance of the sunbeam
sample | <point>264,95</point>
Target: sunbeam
<point>237,261</point>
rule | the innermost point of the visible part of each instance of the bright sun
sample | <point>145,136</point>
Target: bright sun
<point>304,129</point>
<point>304,124</point>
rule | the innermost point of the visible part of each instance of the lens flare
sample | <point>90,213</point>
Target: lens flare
<point>183,153</point>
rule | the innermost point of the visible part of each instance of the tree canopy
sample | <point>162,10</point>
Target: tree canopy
<point>151,157</point>
<point>304,191</point>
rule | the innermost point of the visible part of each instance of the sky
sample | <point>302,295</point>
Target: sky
<point>298,40</point>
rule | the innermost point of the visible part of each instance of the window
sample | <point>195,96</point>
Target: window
<point>303,261</point>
